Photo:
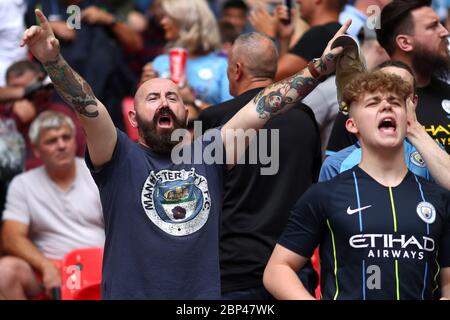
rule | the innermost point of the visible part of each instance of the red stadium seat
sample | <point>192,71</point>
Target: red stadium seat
<point>81,274</point>
<point>315,260</point>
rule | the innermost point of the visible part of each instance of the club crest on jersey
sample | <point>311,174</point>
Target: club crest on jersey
<point>417,159</point>
<point>426,212</point>
<point>177,202</point>
<point>446,105</point>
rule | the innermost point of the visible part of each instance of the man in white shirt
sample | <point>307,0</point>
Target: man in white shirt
<point>49,211</point>
<point>12,26</point>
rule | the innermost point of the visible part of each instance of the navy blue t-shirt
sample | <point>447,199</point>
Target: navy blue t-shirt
<point>161,224</point>
<point>376,242</point>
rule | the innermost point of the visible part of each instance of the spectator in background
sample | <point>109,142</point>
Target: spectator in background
<point>235,12</point>
<point>96,49</point>
<point>142,5</point>
<point>152,35</point>
<point>228,35</point>
<point>50,211</point>
<point>191,25</point>
<point>12,155</point>
<point>359,12</point>
<point>27,76</point>
<point>216,6</point>
<point>412,33</point>
<point>12,26</point>
<point>322,17</point>
<point>251,224</point>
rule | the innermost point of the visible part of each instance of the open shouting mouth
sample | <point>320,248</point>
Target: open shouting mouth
<point>387,125</point>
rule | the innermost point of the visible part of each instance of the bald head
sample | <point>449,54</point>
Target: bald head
<point>154,86</point>
<point>257,53</point>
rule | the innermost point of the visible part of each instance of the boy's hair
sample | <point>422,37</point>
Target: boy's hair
<point>376,81</point>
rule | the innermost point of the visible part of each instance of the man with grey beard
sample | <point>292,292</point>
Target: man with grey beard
<point>411,32</point>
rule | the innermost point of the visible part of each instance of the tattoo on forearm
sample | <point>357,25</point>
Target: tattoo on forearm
<point>272,100</point>
<point>72,87</point>
<point>329,57</point>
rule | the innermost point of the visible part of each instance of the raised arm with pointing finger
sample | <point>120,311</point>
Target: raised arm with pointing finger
<point>101,134</point>
<point>282,95</point>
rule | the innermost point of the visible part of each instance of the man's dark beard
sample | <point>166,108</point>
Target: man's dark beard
<point>159,143</point>
<point>425,62</point>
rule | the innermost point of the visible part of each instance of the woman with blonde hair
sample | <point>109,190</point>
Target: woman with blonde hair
<point>192,25</point>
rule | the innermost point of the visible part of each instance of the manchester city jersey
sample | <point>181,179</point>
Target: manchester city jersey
<point>376,242</point>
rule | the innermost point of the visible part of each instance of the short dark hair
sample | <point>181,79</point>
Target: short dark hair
<point>400,65</point>
<point>239,4</point>
<point>396,19</point>
<point>19,67</point>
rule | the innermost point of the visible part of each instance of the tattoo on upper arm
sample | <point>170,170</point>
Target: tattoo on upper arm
<point>72,87</point>
<point>272,100</point>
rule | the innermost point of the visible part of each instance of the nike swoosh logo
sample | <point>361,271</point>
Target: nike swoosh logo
<point>350,211</point>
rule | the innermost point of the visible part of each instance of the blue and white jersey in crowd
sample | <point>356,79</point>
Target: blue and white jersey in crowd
<point>351,156</point>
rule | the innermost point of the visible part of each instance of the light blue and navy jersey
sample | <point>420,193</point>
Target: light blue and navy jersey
<point>376,242</point>
<point>351,156</point>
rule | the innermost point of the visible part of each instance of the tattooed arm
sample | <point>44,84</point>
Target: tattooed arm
<point>278,98</point>
<point>100,132</point>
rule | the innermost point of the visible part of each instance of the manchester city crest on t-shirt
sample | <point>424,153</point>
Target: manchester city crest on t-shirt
<point>417,159</point>
<point>178,202</point>
<point>426,212</point>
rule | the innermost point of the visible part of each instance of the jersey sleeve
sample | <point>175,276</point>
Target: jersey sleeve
<point>329,169</point>
<point>305,226</point>
<point>444,251</point>
<point>16,207</point>
<point>119,156</point>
